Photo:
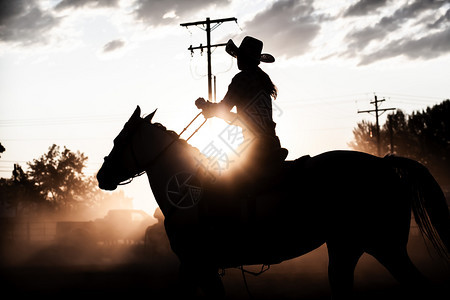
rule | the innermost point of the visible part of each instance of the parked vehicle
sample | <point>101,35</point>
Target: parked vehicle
<point>119,226</point>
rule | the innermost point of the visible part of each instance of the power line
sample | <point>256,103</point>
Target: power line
<point>36,139</point>
<point>310,101</point>
<point>60,121</point>
<point>416,96</point>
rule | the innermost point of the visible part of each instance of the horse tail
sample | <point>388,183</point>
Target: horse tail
<point>428,203</point>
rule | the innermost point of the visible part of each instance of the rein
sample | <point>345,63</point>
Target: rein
<point>154,160</point>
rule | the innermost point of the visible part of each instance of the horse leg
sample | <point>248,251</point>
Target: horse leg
<point>398,263</point>
<point>342,262</point>
<point>186,284</point>
<point>211,283</point>
<point>193,276</point>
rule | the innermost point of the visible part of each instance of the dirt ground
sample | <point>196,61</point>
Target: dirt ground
<point>58,271</point>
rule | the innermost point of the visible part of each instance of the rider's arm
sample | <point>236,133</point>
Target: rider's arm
<point>222,110</point>
<point>233,95</point>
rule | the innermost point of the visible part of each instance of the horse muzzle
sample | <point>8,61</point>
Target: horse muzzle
<point>107,186</point>
<point>105,182</point>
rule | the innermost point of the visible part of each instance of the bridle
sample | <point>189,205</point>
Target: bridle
<point>150,164</point>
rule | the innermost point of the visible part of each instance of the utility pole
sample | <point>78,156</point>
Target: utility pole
<point>208,46</point>
<point>377,111</point>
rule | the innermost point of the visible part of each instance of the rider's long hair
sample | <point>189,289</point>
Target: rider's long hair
<point>262,77</point>
<point>268,85</point>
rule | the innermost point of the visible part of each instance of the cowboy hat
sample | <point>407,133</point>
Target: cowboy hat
<point>250,48</point>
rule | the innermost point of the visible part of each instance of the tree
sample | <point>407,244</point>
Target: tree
<point>19,193</point>
<point>364,138</point>
<point>423,136</point>
<point>55,182</point>
<point>59,177</point>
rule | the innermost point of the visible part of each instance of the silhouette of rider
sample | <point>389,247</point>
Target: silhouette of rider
<point>251,92</point>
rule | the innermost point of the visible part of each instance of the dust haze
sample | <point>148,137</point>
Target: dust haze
<point>45,257</point>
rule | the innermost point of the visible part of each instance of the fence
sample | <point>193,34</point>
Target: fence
<point>29,231</point>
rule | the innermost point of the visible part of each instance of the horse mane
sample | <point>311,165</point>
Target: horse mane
<point>175,136</point>
<point>201,160</point>
<point>172,133</point>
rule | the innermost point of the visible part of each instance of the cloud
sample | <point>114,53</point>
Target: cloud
<point>364,7</point>
<point>113,45</point>
<point>25,23</point>
<point>415,29</point>
<point>428,47</point>
<point>65,4</point>
<point>288,26</point>
<point>442,21</point>
<point>359,40</point>
<point>10,9</point>
<point>165,12</point>
<point>388,24</point>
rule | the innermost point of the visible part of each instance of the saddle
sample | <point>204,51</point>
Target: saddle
<point>275,182</point>
<point>278,171</point>
<point>254,198</point>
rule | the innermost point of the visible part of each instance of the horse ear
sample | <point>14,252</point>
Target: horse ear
<point>150,116</point>
<point>136,113</point>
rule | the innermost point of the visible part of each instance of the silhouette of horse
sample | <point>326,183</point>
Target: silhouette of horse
<point>352,201</point>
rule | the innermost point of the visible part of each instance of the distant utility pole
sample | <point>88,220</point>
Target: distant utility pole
<point>377,114</point>
<point>208,46</point>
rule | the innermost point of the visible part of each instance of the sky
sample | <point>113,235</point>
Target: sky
<point>73,71</point>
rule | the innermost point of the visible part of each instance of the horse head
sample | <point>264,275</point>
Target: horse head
<point>123,163</point>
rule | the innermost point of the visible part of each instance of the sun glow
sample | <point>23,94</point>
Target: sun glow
<point>227,137</point>
<point>219,142</point>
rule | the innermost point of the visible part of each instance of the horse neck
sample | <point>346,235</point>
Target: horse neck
<point>150,144</point>
<point>165,157</point>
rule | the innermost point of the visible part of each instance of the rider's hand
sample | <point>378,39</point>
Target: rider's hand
<point>207,112</point>
<point>200,103</point>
